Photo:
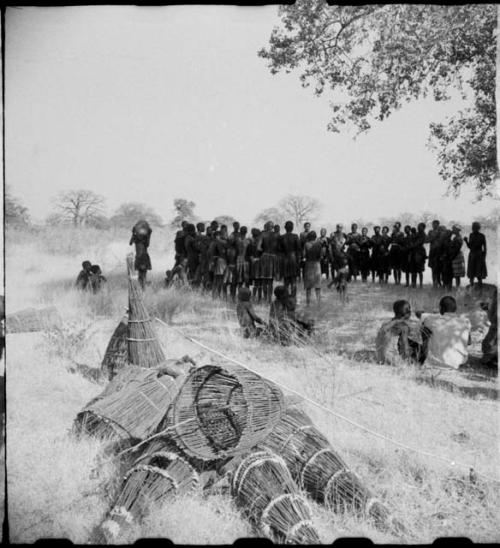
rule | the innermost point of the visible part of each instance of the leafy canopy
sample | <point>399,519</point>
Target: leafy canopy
<point>375,58</point>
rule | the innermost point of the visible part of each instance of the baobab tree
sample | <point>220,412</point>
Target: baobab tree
<point>79,207</point>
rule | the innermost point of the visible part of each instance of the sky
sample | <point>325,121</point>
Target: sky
<point>150,104</point>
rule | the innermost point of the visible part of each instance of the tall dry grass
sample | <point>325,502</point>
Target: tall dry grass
<point>61,487</point>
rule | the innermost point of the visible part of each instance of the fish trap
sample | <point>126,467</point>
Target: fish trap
<point>143,345</point>
<point>116,355</point>
<point>319,470</point>
<point>222,410</point>
<point>32,319</point>
<point>269,498</point>
<point>131,407</point>
<point>157,475</point>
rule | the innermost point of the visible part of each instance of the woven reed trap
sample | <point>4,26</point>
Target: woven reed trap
<point>158,474</point>
<point>116,355</point>
<point>143,346</point>
<point>131,406</point>
<point>222,410</point>
<point>319,470</point>
<point>32,319</point>
<point>267,495</point>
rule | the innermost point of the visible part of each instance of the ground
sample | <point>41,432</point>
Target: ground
<point>60,487</point>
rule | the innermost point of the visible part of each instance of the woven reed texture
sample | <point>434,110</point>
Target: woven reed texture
<point>267,495</point>
<point>132,408</point>
<point>157,474</point>
<point>143,345</point>
<point>116,355</point>
<point>32,319</point>
<point>229,410</point>
<point>319,470</point>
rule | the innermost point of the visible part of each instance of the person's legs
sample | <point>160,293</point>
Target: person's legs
<point>414,279</point>
<point>318,295</point>
<point>270,290</point>
<point>457,281</point>
<point>308,297</point>
<point>142,278</point>
<point>421,279</point>
<point>407,279</point>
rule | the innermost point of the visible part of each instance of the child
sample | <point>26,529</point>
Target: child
<point>82,281</point>
<point>340,280</point>
<point>96,278</point>
<point>246,314</point>
<point>278,315</point>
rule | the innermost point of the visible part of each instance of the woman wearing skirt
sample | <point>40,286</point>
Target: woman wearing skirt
<point>476,265</point>
<point>457,261</point>
<point>312,267</point>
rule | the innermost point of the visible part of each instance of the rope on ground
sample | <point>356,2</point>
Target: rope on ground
<point>330,411</point>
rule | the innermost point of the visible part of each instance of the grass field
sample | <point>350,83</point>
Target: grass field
<point>60,487</point>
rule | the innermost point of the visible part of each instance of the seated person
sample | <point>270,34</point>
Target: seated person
<point>301,322</point>
<point>489,344</point>
<point>83,279</point>
<point>446,335</point>
<point>178,275</point>
<point>279,326</point>
<point>400,338</point>
<point>246,314</point>
<point>96,278</point>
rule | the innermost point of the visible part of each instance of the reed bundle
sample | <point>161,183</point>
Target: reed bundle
<point>265,491</point>
<point>32,319</point>
<point>116,355</point>
<point>320,471</point>
<point>159,473</point>
<point>143,346</point>
<point>220,411</point>
<point>133,408</point>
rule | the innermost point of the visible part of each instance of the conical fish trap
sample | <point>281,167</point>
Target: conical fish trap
<point>222,410</point>
<point>116,355</point>
<point>265,491</point>
<point>143,346</point>
<point>158,474</point>
<point>32,319</point>
<point>318,469</point>
<point>131,411</point>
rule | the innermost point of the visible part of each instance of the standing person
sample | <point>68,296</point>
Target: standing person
<point>364,254</point>
<point>141,236</point>
<point>277,230</point>
<point>179,243</point>
<point>476,265</point>
<point>385,264</point>
<point>291,249</point>
<point>338,242</point>
<point>268,245</point>
<point>242,266</point>
<point>325,253</point>
<point>375,262</point>
<point>220,264</point>
<point>232,253</point>
<point>312,268</point>
<point>418,256</point>
<point>353,251</point>
<point>253,257</point>
<point>192,253</point>
<point>395,252</point>
<point>406,248</point>
<point>445,259</point>
<point>212,244</point>
<point>433,239</point>
<point>202,243</point>
<point>303,239</point>
<point>457,256</point>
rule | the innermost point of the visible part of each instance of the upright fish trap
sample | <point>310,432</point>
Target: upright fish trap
<point>222,410</point>
<point>319,470</point>
<point>132,408</point>
<point>116,355</point>
<point>157,475</point>
<point>269,498</point>
<point>143,345</point>
<point>32,319</point>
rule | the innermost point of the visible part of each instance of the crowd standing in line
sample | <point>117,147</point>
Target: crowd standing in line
<point>218,261</point>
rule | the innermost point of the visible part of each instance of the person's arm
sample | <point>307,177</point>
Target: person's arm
<point>484,244</point>
<point>132,239</point>
<point>466,240</point>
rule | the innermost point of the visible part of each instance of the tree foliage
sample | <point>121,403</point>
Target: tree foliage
<point>375,58</point>
<point>79,207</point>
<point>129,213</point>
<point>16,214</point>
<point>225,220</point>
<point>274,214</point>
<point>184,211</point>
<point>299,209</point>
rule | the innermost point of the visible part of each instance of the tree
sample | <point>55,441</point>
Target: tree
<point>184,211</point>
<point>127,214</point>
<point>375,58</point>
<point>299,209</point>
<point>16,214</point>
<point>273,214</point>
<point>225,220</point>
<point>79,207</point>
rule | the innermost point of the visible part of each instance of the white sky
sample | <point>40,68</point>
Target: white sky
<point>152,104</point>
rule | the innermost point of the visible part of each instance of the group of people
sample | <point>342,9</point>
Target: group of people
<point>221,261</point>
<point>90,278</point>
<point>439,340</point>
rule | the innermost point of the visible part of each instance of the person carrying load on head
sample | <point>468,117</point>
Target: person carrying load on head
<point>83,279</point>
<point>141,235</point>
